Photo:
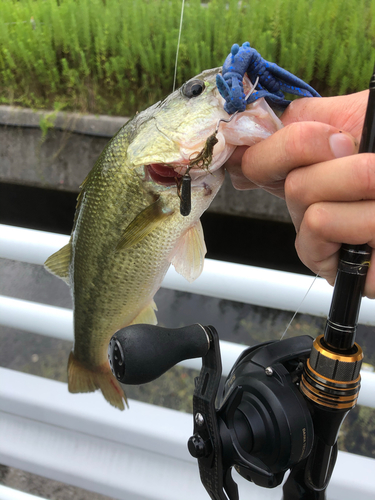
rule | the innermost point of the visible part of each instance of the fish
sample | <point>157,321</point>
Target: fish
<point>128,228</point>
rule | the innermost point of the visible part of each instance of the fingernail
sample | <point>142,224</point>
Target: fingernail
<point>342,144</point>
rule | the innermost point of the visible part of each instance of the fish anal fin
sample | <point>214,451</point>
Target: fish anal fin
<point>147,315</point>
<point>143,224</point>
<point>188,255</point>
<point>81,379</point>
<point>58,263</point>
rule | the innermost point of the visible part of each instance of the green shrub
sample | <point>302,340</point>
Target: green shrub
<point>117,56</point>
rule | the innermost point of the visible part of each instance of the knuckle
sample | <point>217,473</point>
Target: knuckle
<point>315,219</point>
<point>304,254</point>
<point>301,251</point>
<point>295,139</point>
<point>248,164</point>
<point>364,174</point>
<point>294,186</point>
<point>301,140</point>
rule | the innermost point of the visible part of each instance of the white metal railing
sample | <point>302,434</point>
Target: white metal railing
<point>57,322</point>
<point>140,454</point>
<point>247,284</point>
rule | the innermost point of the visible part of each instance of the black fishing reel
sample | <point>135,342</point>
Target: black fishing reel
<point>260,424</point>
<point>280,408</point>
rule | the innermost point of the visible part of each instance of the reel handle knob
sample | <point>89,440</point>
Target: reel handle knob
<point>141,353</point>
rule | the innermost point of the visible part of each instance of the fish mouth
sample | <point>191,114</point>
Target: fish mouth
<point>170,174</point>
<point>198,159</point>
<point>164,174</point>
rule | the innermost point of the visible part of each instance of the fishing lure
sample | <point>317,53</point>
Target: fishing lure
<point>201,160</point>
<point>273,80</point>
<point>185,195</point>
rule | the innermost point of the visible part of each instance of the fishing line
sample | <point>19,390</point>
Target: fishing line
<point>298,308</point>
<point>252,90</point>
<point>178,45</point>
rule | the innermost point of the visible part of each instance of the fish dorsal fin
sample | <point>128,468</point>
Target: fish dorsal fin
<point>188,255</point>
<point>58,263</point>
<point>144,223</point>
<point>147,315</point>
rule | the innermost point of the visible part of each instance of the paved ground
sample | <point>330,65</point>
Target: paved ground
<point>45,488</point>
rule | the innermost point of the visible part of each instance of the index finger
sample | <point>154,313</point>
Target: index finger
<point>268,162</point>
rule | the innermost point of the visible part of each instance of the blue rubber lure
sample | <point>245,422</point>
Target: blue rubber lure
<point>272,80</point>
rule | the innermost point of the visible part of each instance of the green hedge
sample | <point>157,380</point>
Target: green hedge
<point>117,56</point>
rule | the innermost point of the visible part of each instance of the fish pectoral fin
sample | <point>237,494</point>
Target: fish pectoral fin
<point>144,223</point>
<point>82,379</point>
<point>188,255</point>
<point>58,263</point>
<point>147,315</point>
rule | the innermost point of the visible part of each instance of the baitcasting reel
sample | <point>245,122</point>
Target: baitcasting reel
<point>261,426</point>
<point>261,423</point>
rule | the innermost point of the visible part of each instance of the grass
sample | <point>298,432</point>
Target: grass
<point>117,56</point>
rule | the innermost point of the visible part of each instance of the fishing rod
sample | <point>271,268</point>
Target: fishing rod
<point>283,402</point>
<point>331,378</point>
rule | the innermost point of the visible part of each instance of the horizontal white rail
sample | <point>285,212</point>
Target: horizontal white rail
<point>58,322</point>
<point>248,284</point>
<point>138,454</point>
<point>51,321</point>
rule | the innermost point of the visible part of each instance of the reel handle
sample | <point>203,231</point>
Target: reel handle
<point>141,353</point>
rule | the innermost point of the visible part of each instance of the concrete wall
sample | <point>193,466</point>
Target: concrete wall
<point>61,157</point>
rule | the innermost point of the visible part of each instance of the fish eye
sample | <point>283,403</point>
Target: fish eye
<point>193,88</point>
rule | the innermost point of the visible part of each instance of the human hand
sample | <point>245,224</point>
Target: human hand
<point>329,191</point>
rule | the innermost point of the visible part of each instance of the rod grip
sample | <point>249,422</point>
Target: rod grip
<point>350,281</point>
<point>354,260</point>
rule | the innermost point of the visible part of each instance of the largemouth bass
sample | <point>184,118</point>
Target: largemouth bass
<point>128,228</point>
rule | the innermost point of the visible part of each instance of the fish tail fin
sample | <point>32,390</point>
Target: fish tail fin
<point>81,379</point>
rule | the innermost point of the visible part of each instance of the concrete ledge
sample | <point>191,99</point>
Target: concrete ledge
<point>62,157</point>
<point>95,125</point>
